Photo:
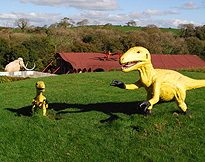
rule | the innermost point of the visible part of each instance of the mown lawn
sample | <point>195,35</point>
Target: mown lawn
<point>88,120</point>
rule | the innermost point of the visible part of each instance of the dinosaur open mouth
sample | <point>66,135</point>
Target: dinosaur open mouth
<point>41,89</point>
<point>130,64</point>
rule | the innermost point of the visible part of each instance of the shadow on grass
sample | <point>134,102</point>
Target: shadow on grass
<point>25,111</point>
<point>109,108</point>
<point>128,108</point>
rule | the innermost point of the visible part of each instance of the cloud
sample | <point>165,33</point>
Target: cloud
<point>165,23</point>
<point>102,17</point>
<point>36,19</point>
<point>190,5</point>
<point>141,18</point>
<point>98,5</point>
<point>148,13</point>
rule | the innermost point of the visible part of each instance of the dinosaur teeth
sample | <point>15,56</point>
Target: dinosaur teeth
<point>129,64</point>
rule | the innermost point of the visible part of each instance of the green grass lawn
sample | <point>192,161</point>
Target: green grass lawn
<point>88,120</point>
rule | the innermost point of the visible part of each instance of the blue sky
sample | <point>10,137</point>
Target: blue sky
<point>162,13</point>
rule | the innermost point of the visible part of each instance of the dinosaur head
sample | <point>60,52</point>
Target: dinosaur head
<point>40,86</point>
<point>135,58</point>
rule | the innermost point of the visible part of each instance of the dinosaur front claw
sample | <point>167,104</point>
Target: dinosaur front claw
<point>118,83</point>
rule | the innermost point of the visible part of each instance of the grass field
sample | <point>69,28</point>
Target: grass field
<point>88,120</point>
<point>129,28</point>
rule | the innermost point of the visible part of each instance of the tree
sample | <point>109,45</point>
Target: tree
<point>65,23</point>
<point>4,52</point>
<point>18,51</point>
<point>151,28</point>
<point>108,26</point>
<point>83,22</point>
<point>83,47</point>
<point>39,48</point>
<point>195,46</point>
<point>200,32</point>
<point>187,30</point>
<point>52,26</point>
<point>22,23</point>
<point>131,23</point>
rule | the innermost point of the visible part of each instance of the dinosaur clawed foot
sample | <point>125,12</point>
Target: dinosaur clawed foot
<point>148,112</point>
<point>186,112</point>
<point>145,105</point>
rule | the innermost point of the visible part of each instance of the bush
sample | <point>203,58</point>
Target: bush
<point>200,69</point>
<point>4,50</point>
<point>196,46</point>
<point>6,79</point>
<point>83,47</point>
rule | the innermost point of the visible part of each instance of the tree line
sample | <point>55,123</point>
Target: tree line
<point>66,22</point>
<point>39,44</point>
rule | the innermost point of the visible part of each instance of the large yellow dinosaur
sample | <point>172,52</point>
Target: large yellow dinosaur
<point>160,84</point>
<point>40,101</point>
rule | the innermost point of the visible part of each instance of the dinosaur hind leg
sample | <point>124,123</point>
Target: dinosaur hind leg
<point>180,100</point>
<point>34,108</point>
<point>44,110</point>
<point>149,109</point>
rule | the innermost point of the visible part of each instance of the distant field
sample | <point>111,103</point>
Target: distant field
<point>128,28</point>
<point>175,31</point>
<point>88,120</point>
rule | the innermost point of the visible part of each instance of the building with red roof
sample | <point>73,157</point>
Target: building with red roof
<point>87,62</point>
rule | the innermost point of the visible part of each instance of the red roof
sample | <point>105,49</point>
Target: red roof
<point>91,60</point>
<point>99,60</point>
<point>176,61</point>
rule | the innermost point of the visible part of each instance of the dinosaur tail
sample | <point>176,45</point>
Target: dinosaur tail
<point>194,83</point>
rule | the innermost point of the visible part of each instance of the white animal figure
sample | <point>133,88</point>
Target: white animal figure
<point>15,66</point>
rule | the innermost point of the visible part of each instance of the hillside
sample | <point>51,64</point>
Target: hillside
<point>39,44</point>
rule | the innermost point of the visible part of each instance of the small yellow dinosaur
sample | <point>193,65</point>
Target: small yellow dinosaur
<point>160,84</point>
<point>40,101</point>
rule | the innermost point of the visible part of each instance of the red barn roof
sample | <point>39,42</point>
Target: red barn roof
<point>176,61</point>
<point>91,60</point>
<point>109,62</point>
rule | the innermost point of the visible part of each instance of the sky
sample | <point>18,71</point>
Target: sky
<point>162,13</point>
